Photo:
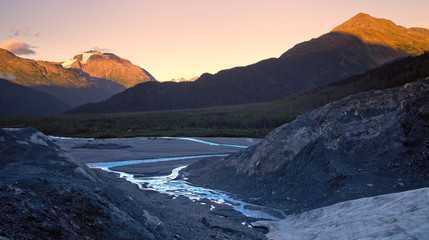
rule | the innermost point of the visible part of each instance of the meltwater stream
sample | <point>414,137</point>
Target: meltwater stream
<point>171,185</point>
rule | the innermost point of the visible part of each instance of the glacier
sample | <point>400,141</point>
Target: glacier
<point>403,215</point>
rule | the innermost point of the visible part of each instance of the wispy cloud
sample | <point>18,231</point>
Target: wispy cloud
<point>18,47</point>
<point>102,49</point>
<point>22,32</point>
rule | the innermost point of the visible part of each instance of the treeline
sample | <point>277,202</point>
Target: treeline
<point>249,120</point>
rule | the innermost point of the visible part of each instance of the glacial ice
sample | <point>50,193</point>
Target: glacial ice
<point>403,215</point>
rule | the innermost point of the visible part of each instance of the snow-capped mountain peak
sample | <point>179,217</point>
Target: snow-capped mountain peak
<point>108,66</point>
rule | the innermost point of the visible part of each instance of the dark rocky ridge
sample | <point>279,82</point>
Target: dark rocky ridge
<point>364,145</point>
<point>46,194</point>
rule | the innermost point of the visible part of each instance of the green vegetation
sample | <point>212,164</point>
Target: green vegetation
<point>167,123</point>
<point>249,120</point>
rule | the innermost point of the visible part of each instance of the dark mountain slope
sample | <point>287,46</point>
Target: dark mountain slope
<point>390,75</point>
<point>353,49</point>
<point>364,145</point>
<point>17,99</point>
<point>320,61</point>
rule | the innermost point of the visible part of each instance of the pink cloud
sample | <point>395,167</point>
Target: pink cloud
<point>17,47</point>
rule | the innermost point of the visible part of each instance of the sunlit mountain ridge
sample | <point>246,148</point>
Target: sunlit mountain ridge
<point>412,41</point>
<point>89,77</point>
<point>109,66</point>
<point>314,63</point>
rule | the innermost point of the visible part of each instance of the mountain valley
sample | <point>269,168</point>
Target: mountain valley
<point>330,140</point>
<point>318,62</point>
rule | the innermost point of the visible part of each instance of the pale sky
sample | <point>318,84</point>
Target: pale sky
<point>186,38</point>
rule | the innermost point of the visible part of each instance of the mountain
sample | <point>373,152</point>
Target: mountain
<point>108,66</point>
<point>68,86</point>
<point>372,31</point>
<point>348,48</point>
<point>29,72</point>
<point>184,79</point>
<point>17,99</point>
<point>310,64</point>
<point>412,41</point>
<point>367,144</point>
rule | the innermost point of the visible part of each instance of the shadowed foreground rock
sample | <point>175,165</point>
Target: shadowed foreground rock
<point>364,145</point>
<point>46,194</point>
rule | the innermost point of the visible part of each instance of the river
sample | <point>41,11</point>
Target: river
<point>173,185</point>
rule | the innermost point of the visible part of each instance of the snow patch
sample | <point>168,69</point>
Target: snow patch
<point>7,76</point>
<point>86,56</point>
<point>403,215</point>
<point>39,138</point>
<point>22,142</point>
<point>68,63</point>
